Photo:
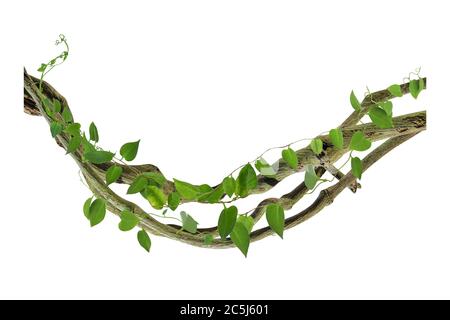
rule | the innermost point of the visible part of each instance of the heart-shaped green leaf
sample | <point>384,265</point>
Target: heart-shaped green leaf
<point>316,145</point>
<point>129,150</point>
<point>137,185</point>
<point>229,186</point>
<point>128,220</point>
<point>174,200</point>
<point>290,157</point>
<point>275,218</point>
<point>156,197</point>
<point>247,221</point>
<point>311,177</point>
<point>356,167</point>
<point>227,220</point>
<point>354,102</point>
<point>381,119</point>
<point>55,128</point>
<point>93,132</point>
<point>98,157</point>
<point>241,237</point>
<point>97,211</point>
<point>337,138</point>
<point>246,181</point>
<point>395,90</point>
<point>189,224</point>
<point>359,143</point>
<point>113,174</point>
<point>144,240</point>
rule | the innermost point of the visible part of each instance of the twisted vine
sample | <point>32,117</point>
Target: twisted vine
<point>101,168</point>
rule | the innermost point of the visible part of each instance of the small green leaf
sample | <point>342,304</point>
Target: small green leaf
<point>290,157</point>
<point>97,211</point>
<point>129,150</point>
<point>241,237</point>
<point>98,157</point>
<point>74,143</point>
<point>337,138</point>
<point>208,239</point>
<point>229,185</point>
<point>212,196</point>
<point>186,190</point>
<point>395,90</point>
<point>316,145</point>
<point>265,168</point>
<point>144,240</point>
<point>156,197</point>
<point>247,221</point>
<point>113,174</point>
<point>48,107</point>
<point>137,185</point>
<point>356,167</point>
<point>87,145</point>
<point>93,132</point>
<point>227,220</point>
<point>42,68</point>
<point>387,107</point>
<point>311,177</point>
<point>128,221</point>
<point>57,105</point>
<point>381,119</point>
<point>73,129</point>
<point>86,207</point>
<point>415,87</point>
<point>354,102</point>
<point>55,128</point>
<point>358,142</point>
<point>246,181</point>
<point>158,178</point>
<point>174,200</point>
<point>275,218</point>
<point>189,224</point>
<point>67,115</point>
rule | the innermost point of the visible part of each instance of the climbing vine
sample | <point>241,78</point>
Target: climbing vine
<point>102,167</point>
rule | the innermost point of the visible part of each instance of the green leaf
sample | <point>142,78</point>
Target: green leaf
<point>74,143</point>
<point>128,221</point>
<point>113,174</point>
<point>93,132</point>
<point>356,167</point>
<point>246,180</point>
<point>57,105</point>
<point>87,146</point>
<point>174,200</point>
<point>247,221</point>
<point>241,237</point>
<point>381,119</point>
<point>98,157</point>
<point>208,239</point>
<point>67,115</point>
<point>264,167</point>
<point>275,218</point>
<point>86,207</point>
<point>97,211</point>
<point>186,190</point>
<point>337,138</point>
<point>387,107</point>
<point>42,68</point>
<point>156,197</point>
<point>48,107</point>
<point>316,145</point>
<point>73,129</point>
<point>227,220</point>
<point>55,128</point>
<point>144,240</point>
<point>137,185</point>
<point>189,224</point>
<point>158,178</point>
<point>415,87</point>
<point>212,196</point>
<point>311,177</point>
<point>358,142</point>
<point>395,90</point>
<point>129,150</point>
<point>354,102</point>
<point>290,157</point>
<point>229,186</point>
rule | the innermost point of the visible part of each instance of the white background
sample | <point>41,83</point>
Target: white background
<point>207,86</point>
